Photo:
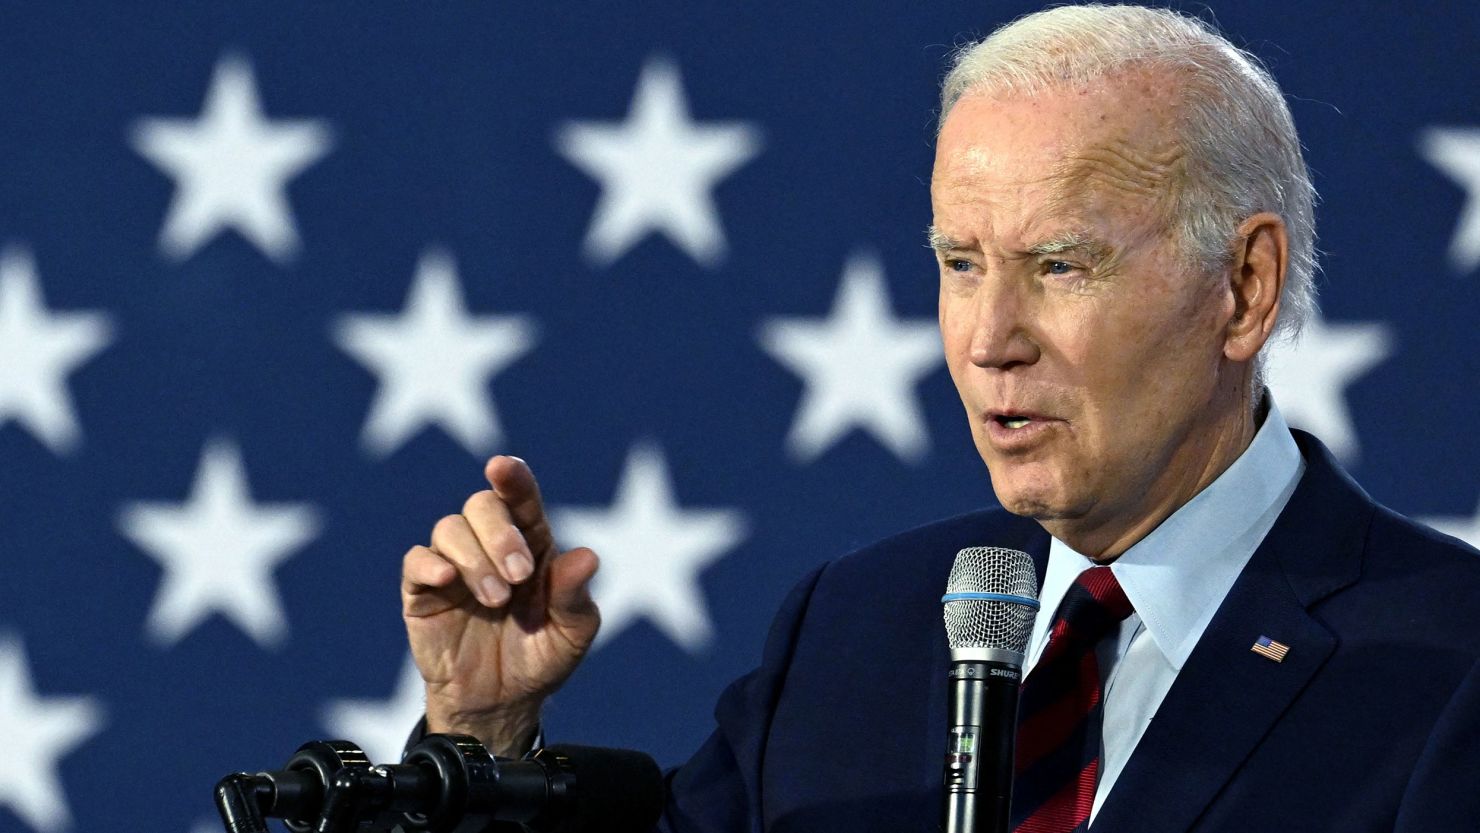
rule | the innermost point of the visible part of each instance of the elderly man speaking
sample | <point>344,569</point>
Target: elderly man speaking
<point>1122,223</point>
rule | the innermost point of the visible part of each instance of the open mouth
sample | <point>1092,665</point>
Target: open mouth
<point>1012,421</point>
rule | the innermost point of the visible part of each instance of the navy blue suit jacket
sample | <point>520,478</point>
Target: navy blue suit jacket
<point>1372,722</point>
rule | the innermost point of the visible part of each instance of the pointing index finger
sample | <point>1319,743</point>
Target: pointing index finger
<point>515,485</point>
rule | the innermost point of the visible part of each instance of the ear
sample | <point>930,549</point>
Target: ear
<point>1256,277</point>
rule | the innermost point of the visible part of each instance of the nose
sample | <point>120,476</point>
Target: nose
<point>1001,336</point>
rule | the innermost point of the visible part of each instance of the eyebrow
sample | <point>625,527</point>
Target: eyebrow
<point>1064,242</point>
<point>937,240</point>
<point>1068,242</point>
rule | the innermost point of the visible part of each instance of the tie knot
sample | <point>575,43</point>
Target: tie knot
<point>1094,605</point>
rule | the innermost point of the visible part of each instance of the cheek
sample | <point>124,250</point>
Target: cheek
<point>1141,375</point>
<point>952,311</point>
<point>956,328</point>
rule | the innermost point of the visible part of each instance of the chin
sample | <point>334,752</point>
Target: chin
<point>1040,498</point>
<point>1036,510</point>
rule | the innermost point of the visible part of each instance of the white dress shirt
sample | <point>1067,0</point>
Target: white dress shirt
<point>1175,577</point>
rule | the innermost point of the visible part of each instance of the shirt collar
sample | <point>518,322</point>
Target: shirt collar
<point>1177,576</point>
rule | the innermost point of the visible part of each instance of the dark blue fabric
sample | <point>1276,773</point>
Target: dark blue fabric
<point>1372,722</point>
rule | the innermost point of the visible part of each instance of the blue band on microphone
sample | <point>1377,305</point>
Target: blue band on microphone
<point>989,597</point>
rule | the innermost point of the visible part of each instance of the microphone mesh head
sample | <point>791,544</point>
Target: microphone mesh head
<point>990,624</point>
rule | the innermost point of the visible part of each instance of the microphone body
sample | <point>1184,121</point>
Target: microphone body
<point>990,604</point>
<point>979,752</point>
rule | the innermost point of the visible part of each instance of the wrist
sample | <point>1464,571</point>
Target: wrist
<point>507,732</point>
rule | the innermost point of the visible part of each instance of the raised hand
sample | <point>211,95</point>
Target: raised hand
<point>497,617</point>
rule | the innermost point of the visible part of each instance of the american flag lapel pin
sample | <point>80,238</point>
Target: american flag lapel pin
<point>1270,649</point>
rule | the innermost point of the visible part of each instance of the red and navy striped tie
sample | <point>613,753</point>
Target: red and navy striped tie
<point>1058,740</point>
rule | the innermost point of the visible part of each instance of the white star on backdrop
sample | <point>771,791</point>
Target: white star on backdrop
<point>434,362</point>
<point>652,553</point>
<point>657,170</point>
<point>1465,529</point>
<point>35,734</point>
<point>860,365</point>
<point>37,351</point>
<point>218,550</point>
<point>380,727</point>
<point>231,166</point>
<point>1310,377</point>
<point>1456,152</point>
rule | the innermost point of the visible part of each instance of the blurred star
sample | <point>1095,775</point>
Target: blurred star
<point>434,361</point>
<point>36,733</point>
<point>231,166</point>
<point>860,364</point>
<point>218,550</point>
<point>658,170</point>
<point>1310,378</point>
<point>1456,152</point>
<point>37,351</point>
<point>651,552</point>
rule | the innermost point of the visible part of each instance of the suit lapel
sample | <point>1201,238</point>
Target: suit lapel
<point>1224,700</point>
<point>1226,697</point>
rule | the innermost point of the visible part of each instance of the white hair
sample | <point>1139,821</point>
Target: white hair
<point>1242,154</point>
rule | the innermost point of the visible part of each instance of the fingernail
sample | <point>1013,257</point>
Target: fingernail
<point>518,566</point>
<point>495,592</point>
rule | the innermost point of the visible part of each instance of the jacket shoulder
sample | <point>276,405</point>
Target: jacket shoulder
<point>1433,576</point>
<point>1393,530</point>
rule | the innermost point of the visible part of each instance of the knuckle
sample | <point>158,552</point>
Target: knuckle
<point>422,567</point>
<point>416,553</point>
<point>541,527</point>
<point>445,528</point>
<point>513,540</point>
<point>481,503</point>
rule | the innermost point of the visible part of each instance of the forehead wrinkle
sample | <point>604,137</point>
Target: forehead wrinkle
<point>1122,167</point>
<point>1005,213</point>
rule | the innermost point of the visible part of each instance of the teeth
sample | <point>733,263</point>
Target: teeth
<point>1015,422</point>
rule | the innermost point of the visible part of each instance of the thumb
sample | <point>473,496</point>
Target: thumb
<point>571,605</point>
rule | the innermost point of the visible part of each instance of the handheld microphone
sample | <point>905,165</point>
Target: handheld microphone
<point>990,603</point>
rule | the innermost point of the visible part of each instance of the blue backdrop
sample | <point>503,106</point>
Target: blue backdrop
<point>277,277</point>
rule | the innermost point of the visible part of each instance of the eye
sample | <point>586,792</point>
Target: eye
<point>958,265</point>
<point>1058,267</point>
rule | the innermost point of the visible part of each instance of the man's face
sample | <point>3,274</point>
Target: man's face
<point>1088,356</point>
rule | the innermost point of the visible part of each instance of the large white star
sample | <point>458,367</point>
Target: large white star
<point>657,170</point>
<point>434,362</point>
<point>1309,378</point>
<point>37,351</point>
<point>860,365</point>
<point>35,733</point>
<point>380,727</point>
<point>1456,152</point>
<point>231,166</point>
<point>1465,529</point>
<point>218,550</point>
<point>652,552</point>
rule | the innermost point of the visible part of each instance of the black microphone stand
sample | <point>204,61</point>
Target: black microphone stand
<point>331,787</point>
<point>293,794</point>
<point>444,783</point>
